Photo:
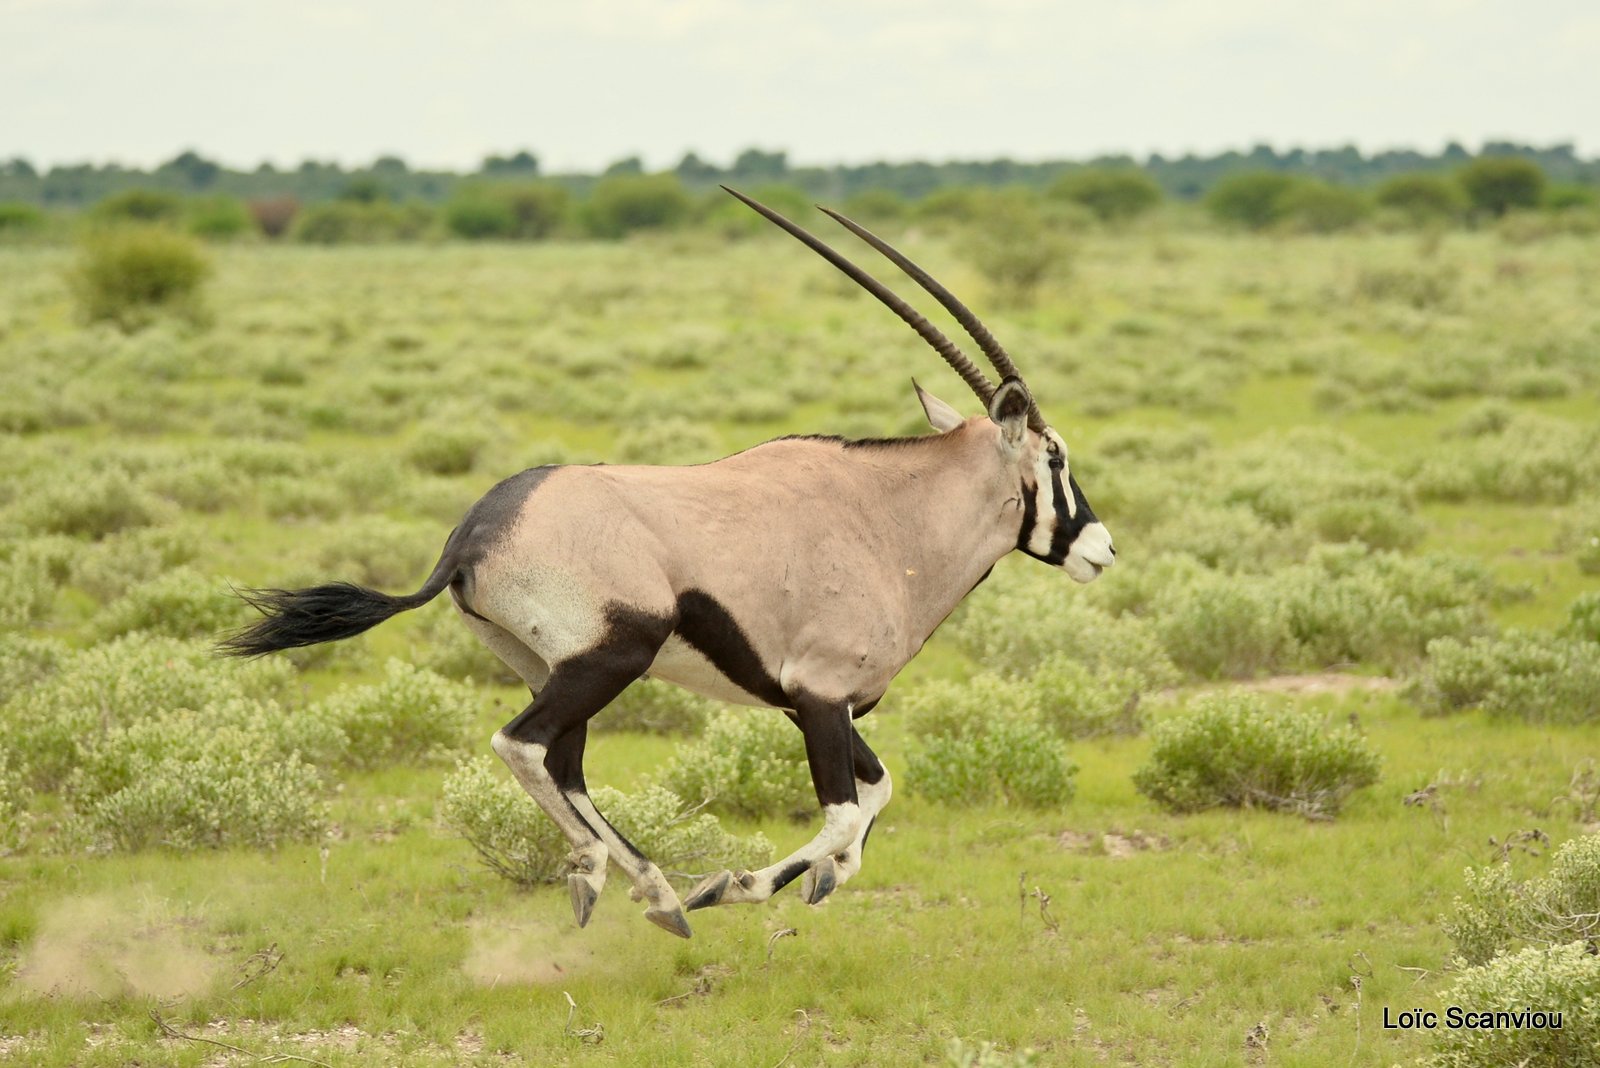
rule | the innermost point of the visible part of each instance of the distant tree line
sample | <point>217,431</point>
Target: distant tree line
<point>390,178</point>
<point>507,199</point>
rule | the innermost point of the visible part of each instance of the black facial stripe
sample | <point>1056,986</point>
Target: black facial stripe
<point>1030,516</point>
<point>1068,526</point>
<point>709,628</point>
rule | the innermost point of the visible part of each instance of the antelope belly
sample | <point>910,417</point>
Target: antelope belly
<point>679,662</point>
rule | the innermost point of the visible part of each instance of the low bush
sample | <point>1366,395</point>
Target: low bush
<point>182,603</point>
<point>1227,626</point>
<point>1583,617</point>
<point>749,762</point>
<point>26,660</point>
<point>1252,200</point>
<point>452,448</point>
<point>668,441</point>
<point>1059,693</point>
<point>1497,913</point>
<point>128,275</point>
<point>16,804</point>
<point>1421,288</point>
<point>524,212</point>
<point>413,715</point>
<point>656,708</point>
<point>1564,979</point>
<point>1113,195</point>
<point>1234,750</point>
<point>219,218</point>
<point>376,551</point>
<point>1529,675</point>
<point>90,506</point>
<point>1017,248</point>
<point>1320,208</point>
<point>139,206</point>
<point>1422,198</point>
<point>1496,185</point>
<point>1003,756</point>
<point>120,682</point>
<point>183,781</point>
<point>1579,534</point>
<point>625,203</point>
<point>341,222</point>
<point>18,218</point>
<point>519,842</point>
<point>31,571</point>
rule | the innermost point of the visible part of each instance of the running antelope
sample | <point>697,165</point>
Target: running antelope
<point>801,574</point>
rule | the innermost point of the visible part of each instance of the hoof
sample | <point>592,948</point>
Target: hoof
<point>710,891</point>
<point>670,920</point>
<point>821,879</point>
<point>584,894</point>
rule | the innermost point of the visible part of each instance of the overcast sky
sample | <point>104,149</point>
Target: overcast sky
<point>585,82</point>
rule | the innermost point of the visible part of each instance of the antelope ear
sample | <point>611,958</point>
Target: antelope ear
<point>940,415</point>
<point>1008,410</point>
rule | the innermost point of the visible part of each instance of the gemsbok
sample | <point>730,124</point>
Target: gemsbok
<point>801,574</point>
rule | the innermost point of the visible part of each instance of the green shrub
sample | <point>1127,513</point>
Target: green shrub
<point>657,708</point>
<point>1320,208</point>
<point>30,573</point>
<point>90,506</point>
<point>961,1054</point>
<point>673,440</point>
<point>16,804</point>
<point>1422,198</point>
<point>1558,196</point>
<point>376,551</point>
<point>191,783</point>
<point>1222,626</point>
<point>127,275</point>
<point>124,681</point>
<point>341,222</point>
<point>1253,200</point>
<point>1528,675</point>
<point>17,217</point>
<point>523,212</point>
<point>1015,622</point>
<point>1059,693</point>
<point>1234,750</point>
<point>1415,287</point>
<point>1497,914</point>
<point>448,448</point>
<point>1580,535</point>
<point>1112,194</point>
<point>518,841</point>
<point>1564,979</point>
<point>624,203</point>
<point>219,217</point>
<point>1003,756</point>
<point>1017,248</point>
<point>139,206</point>
<point>749,763</point>
<point>182,603</point>
<point>413,715</point>
<point>26,660</point>
<point>1496,185</point>
<point>1583,617</point>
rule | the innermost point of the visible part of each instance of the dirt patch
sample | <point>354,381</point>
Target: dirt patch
<point>1115,844</point>
<point>116,945</point>
<point>1312,685</point>
<point>502,953</point>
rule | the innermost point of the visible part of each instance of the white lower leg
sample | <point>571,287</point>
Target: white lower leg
<point>841,825</point>
<point>649,885</point>
<point>873,797</point>
<point>589,853</point>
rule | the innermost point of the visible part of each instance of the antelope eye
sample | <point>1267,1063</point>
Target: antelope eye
<point>1057,463</point>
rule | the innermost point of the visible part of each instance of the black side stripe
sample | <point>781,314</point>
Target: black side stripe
<point>1030,516</point>
<point>712,631</point>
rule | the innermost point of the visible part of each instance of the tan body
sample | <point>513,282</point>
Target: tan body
<point>838,563</point>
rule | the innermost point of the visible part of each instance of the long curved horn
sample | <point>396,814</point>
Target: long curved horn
<point>969,322</point>
<point>969,372</point>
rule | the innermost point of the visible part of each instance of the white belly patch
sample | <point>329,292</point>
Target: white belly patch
<point>679,662</point>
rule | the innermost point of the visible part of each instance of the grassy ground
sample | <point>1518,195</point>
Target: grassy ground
<point>1105,932</point>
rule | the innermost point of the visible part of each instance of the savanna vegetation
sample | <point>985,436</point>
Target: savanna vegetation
<point>1218,808</point>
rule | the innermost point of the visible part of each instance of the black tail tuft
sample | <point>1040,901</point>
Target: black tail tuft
<point>315,615</point>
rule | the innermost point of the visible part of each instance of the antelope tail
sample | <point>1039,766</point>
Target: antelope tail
<point>295,618</point>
